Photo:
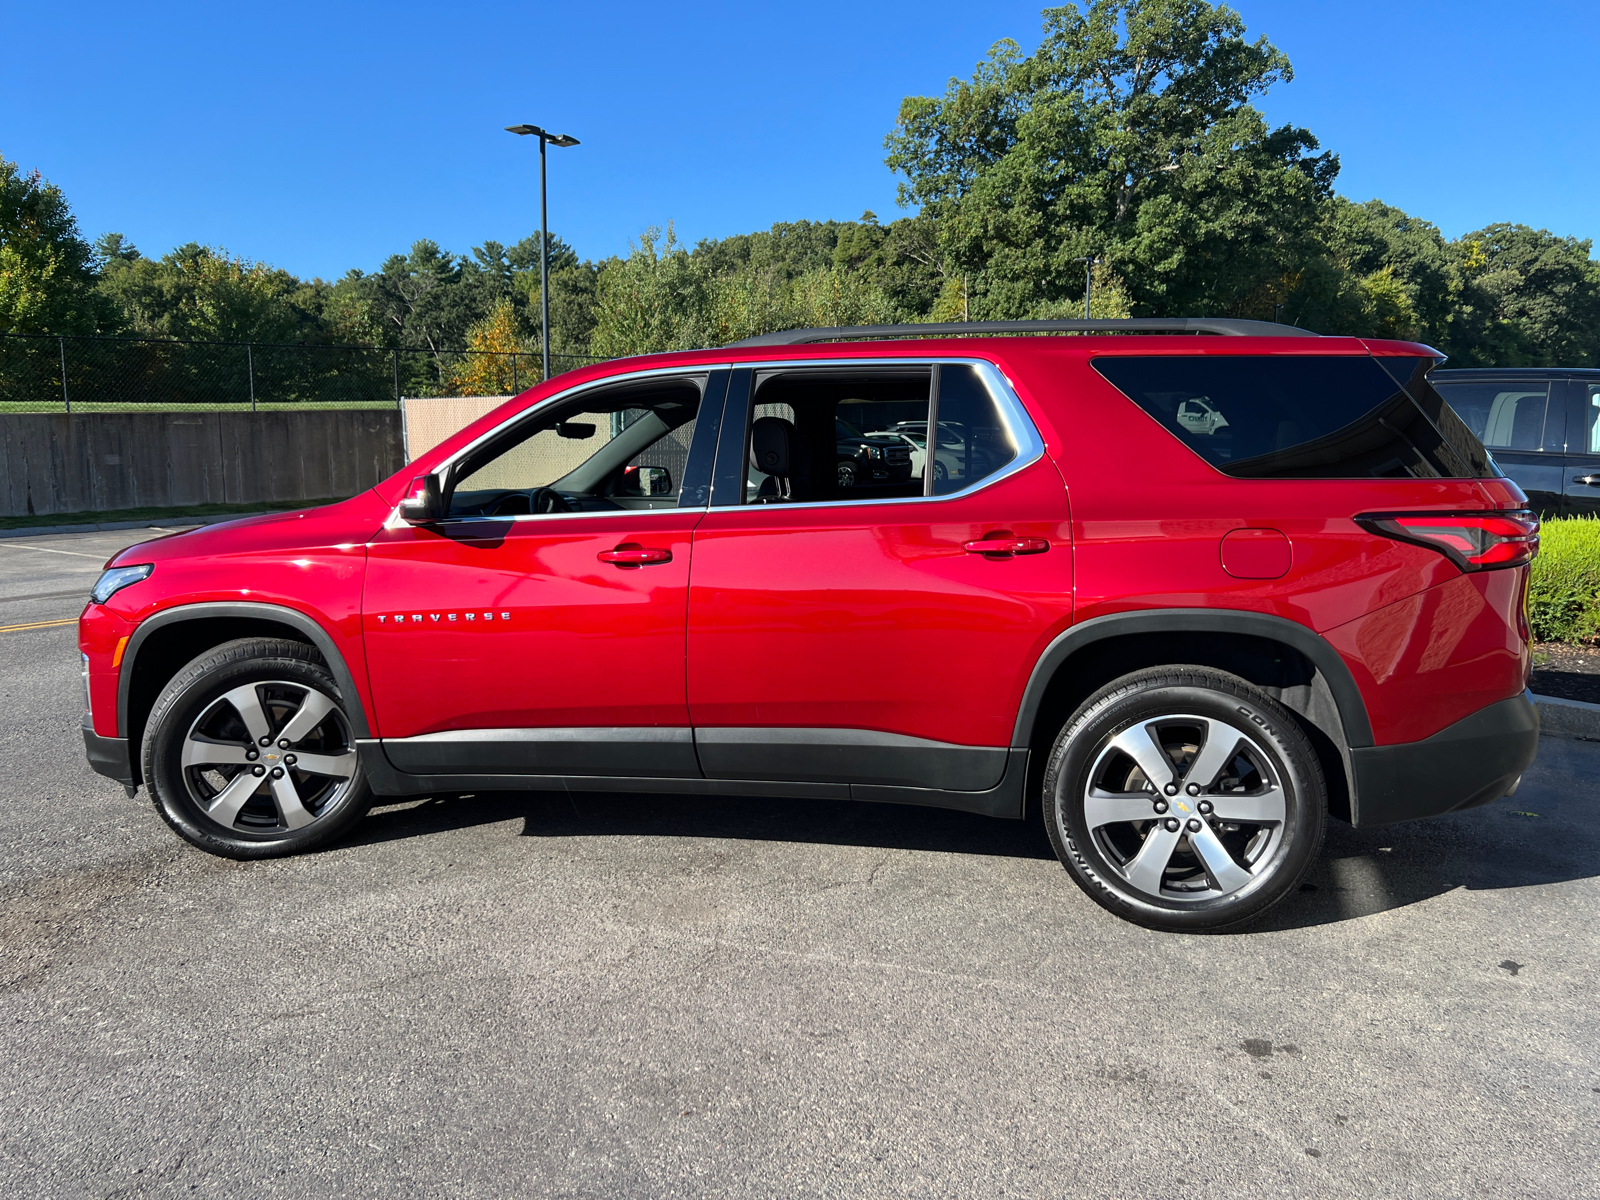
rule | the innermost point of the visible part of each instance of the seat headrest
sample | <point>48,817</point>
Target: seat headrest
<point>771,439</point>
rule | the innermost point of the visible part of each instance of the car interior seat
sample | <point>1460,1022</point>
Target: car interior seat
<point>772,454</point>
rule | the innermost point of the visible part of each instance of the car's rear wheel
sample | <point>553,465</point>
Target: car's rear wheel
<point>1184,799</point>
<point>248,752</point>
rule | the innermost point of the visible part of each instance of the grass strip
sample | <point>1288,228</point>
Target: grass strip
<point>1564,590</point>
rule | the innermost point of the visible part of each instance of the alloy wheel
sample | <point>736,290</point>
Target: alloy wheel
<point>1186,808</point>
<point>269,757</point>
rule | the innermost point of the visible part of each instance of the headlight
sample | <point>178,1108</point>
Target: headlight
<point>113,581</point>
<point>873,451</point>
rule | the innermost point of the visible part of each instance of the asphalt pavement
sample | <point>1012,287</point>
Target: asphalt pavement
<point>623,996</point>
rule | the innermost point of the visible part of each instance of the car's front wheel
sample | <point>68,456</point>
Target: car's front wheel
<point>1184,799</point>
<point>248,752</point>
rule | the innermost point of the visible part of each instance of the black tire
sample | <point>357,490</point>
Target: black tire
<point>1244,837</point>
<point>200,757</point>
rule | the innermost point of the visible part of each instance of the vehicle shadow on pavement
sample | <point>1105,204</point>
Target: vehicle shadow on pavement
<point>1545,834</point>
<point>603,814</point>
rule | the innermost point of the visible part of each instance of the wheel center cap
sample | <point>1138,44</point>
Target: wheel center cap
<point>271,758</point>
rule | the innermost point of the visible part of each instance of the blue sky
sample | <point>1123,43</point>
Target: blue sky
<point>324,136</point>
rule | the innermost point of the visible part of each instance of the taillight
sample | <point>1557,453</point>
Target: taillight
<point>1473,541</point>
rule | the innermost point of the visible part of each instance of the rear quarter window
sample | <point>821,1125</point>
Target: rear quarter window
<point>1305,416</point>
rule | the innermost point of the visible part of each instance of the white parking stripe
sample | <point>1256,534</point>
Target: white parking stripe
<point>50,550</point>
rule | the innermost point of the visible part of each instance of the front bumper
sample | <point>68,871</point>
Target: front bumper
<point>1475,761</point>
<point>108,756</point>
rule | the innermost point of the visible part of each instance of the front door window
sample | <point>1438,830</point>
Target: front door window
<point>622,450</point>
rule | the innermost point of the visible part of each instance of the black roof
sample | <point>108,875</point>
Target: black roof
<point>1523,372</point>
<point>1224,326</point>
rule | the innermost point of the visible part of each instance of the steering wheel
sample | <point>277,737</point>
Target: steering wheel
<point>548,500</point>
<point>508,504</point>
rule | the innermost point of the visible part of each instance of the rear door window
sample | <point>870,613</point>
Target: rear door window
<point>853,433</point>
<point>972,440</point>
<point>1304,416</point>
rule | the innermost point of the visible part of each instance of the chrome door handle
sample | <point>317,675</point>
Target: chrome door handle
<point>1591,480</point>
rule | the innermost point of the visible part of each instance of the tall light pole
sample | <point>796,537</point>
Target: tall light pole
<point>554,139</point>
<point>1088,281</point>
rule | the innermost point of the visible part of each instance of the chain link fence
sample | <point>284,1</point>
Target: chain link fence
<point>52,373</point>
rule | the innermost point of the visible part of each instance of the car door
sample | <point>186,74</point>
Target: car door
<point>872,633</point>
<point>1582,478</point>
<point>1522,419</point>
<point>538,628</point>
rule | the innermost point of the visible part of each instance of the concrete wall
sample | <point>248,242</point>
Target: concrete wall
<point>60,463</point>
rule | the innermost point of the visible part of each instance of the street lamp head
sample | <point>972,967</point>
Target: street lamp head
<point>555,139</point>
<point>546,138</point>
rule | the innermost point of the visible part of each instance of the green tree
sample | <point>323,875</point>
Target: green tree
<point>204,293</point>
<point>653,300</point>
<point>47,270</point>
<point>662,297</point>
<point>1128,134</point>
<point>1528,298</point>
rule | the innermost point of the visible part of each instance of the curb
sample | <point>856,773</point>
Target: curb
<point>1567,718</point>
<point>108,526</point>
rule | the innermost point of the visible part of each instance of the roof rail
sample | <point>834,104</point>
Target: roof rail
<point>1226,326</point>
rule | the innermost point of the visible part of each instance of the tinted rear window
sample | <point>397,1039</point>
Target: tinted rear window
<point>1304,416</point>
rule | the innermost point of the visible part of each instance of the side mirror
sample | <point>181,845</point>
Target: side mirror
<point>646,481</point>
<point>423,501</point>
<point>655,481</point>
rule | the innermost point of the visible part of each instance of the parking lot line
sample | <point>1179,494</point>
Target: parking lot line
<point>38,625</point>
<point>49,550</point>
<point>77,591</point>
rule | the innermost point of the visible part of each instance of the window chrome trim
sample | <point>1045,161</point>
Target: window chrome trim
<point>1013,415</point>
<point>570,393</point>
<point>609,514</point>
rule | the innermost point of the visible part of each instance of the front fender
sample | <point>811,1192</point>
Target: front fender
<point>355,702</point>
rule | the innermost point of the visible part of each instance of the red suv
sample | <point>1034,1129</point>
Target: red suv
<point>1185,594</point>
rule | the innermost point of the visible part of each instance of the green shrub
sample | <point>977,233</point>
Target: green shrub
<point>1564,595</point>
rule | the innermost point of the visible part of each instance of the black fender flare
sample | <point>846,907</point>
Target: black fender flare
<point>1346,696</point>
<point>245,610</point>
